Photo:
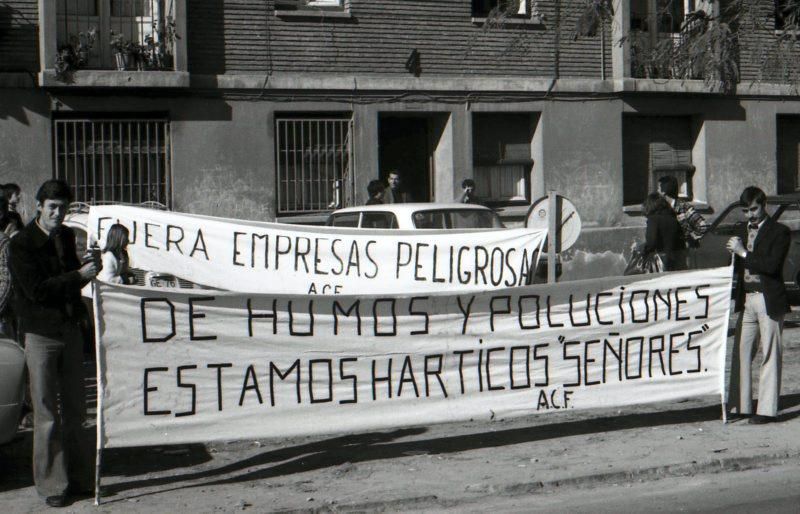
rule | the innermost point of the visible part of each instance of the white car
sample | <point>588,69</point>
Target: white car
<point>417,216</point>
<point>12,383</point>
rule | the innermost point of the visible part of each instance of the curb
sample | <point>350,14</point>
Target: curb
<point>640,475</point>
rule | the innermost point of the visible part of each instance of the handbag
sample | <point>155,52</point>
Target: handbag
<point>641,263</point>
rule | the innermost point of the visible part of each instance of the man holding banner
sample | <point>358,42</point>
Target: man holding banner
<point>47,279</point>
<point>762,303</point>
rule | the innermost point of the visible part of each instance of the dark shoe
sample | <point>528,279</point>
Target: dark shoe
<point>58,500</point>
<point>733,416</point>
<point>77,489</point>
<point>760,420</point>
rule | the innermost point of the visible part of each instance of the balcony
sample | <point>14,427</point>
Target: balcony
<point>130,43</point>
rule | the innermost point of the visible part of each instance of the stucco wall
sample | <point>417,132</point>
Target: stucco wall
<point>25,151</point>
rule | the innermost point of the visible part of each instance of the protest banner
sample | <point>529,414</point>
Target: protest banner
<point>181,367</point>
<point>257,257</point>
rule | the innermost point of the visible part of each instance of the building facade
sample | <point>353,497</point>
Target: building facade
<point>286,109</point>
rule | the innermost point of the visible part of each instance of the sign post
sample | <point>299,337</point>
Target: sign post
<point>553,234</point>
<point>559,217</point>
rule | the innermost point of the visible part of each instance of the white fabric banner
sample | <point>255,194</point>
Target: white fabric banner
<point>257,257</point>
<point>178,367</point>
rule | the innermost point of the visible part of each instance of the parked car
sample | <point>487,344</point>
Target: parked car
<point>422,216</point>
<point>416,216</point>
<point>12,384</point>
<point>731,221</point>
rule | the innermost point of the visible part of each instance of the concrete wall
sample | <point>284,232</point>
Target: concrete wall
<point>223,151</point>
<point>25,151</point>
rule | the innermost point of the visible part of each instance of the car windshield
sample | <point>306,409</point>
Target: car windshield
<point>456,218</point>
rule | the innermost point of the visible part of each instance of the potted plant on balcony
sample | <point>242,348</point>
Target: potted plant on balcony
<point>128,55</point>
<point>74,54</point>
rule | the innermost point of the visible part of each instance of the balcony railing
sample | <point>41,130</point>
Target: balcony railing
<point>116,34</point>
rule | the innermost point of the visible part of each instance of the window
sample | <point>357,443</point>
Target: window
<point>143,30</point>
<point>655,146</point>
<point>458,218</point>
<point>501,157</point>
<point>303,4</point>
<point>788,152</point>
<point>378,220</point>
<point>349,219</point>
<point>784,13</point>
<point>314,164</point>
<point>114,160</point>
<point>483,8</point>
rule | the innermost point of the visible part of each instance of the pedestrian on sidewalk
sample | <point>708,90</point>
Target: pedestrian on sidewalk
<point>47,277</point>
<point>395,193</point>
<point>375,190</point>
<point>692,223</point>
<point>761,301</point>
<point>468,194</point>
<point>663,233</point>
<point>115,268</point>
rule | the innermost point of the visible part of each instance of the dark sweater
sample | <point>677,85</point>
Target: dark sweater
<point>664,235</point>
<point>47,285</point>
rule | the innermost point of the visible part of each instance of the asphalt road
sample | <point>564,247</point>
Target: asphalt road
<point>773,490</point>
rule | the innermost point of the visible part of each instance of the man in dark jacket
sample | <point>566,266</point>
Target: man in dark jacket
<point>762,304</point>
<point>48,277</point>
<point>394,193</point>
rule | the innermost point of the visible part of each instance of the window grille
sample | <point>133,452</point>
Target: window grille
<point>314,164</point>
<point>115,160</point>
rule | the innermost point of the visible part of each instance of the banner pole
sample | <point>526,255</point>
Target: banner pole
<point>725,352</point>
<point>99,361</point>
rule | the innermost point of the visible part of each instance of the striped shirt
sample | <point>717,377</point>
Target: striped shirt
<point>692,223</point>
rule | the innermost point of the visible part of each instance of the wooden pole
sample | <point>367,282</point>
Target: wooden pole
<point>100,361</point>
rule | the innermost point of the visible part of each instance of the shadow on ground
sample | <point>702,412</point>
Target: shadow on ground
<point>379,446</point>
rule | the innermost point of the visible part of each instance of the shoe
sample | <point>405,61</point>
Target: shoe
<point>58,500</point>
<point>733,416</point>
<point>758,419</point>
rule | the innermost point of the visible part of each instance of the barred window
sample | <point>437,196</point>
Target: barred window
<point>314,161</point>
<point>114,160</point>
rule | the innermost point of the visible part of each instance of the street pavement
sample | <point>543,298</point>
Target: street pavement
<point>437,467</point>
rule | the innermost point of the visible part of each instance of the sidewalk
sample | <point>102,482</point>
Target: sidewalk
<point>443,465</point>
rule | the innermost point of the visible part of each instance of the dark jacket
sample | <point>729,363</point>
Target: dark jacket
<point>766,259</point>
<point>390,196</point>
<point>665,236</point>
<point>47,285</point>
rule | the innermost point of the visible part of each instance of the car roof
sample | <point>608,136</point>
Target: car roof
<point>407,208</point>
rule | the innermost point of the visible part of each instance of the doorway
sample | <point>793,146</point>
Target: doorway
<point>404,145</point>
<point>788,162</point>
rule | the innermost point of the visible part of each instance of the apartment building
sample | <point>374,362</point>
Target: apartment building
<point>286,109</point>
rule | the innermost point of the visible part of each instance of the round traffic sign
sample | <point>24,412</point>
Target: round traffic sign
<point>538,217</point>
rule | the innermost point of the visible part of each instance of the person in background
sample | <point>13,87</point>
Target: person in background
<point>468,195</point>
<point>394,193</point>
<point>761,301</point>
<point>663,234</point>
<point>7,322</point>
<point>13,193</point>
<point>11,221</point>
<point>115,257</point>
<point>47,277</point>
<point>375,189</point>
<point>692,223</point>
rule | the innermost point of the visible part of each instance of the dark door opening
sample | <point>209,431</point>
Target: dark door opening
<point>788,166</point>
<point>404,145</point>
